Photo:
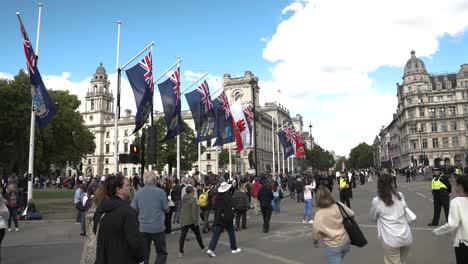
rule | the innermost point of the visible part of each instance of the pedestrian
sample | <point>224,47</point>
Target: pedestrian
<point>308,193</point>
<point>240,202</point>
<point>441,189</point>
<point>79,205</point>
<point>394,175</point>
<point>4,215</point>
<point>12,204</point>
<point>88,256</point>
<point>204,203</point>
<point>458,220</point>
<point>175,196</point>
<point>328,227</point>
<point>345,190</point>
<point>172,208</point>
<point>189,219</point>
<point>277,196</point>
<point>255,188</point>
<point>265,196</point>
<point>299,190</point>
<point>388,211</point>
<point>116,226</point>
<point>151,205</point>
<point>223,220</point>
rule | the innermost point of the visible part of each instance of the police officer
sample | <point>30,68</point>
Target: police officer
<point>441,189</point>
<point>345,189</point>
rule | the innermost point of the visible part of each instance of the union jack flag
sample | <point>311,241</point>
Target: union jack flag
<point>147,64</point>
<point>28,51</point>
<point>289,134</point>
<point>175,78</point>
<point>205,92</point>
<point>222,98</point>
<point>249,113</point>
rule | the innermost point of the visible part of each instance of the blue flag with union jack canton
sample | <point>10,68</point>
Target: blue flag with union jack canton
<point>43,106</point>
<point>170,97</point>
<point>288,147</point>
<point>140,77</point>
<point>203,114</point>
<point>224,121</point>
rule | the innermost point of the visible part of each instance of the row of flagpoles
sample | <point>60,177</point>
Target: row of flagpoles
<point>213,119</point>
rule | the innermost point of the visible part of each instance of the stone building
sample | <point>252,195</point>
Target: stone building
<point>99,118</point>
<point>431,122</point>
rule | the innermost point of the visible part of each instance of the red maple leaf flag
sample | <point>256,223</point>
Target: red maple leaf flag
<point>241,134</point>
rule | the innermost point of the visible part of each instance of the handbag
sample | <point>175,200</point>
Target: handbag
<point>281,194</point>
<point>352,228</point>
<point>410,216</point>
<point>79,206</point>
<point>169,199</point>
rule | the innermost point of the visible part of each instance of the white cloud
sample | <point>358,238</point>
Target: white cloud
<point>214,82</point>
<point>6,76</point>
<point>324,51</point>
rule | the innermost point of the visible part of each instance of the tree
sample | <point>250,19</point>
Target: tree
<point>223,158</point>
<point>64,141</point>
<point>166,152</point>
<point>339,163</point>
<point>361,156</point>
<point>317,158</point>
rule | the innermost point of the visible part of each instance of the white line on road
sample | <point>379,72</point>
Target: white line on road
<point>420,194</point>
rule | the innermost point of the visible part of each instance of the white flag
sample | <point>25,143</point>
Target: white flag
<point>241,128</point>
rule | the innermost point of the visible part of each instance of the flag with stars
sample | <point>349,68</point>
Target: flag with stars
<point>170,97</point>
<point>224,121</point>
<point>201,106</point>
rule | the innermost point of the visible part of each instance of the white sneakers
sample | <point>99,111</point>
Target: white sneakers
<point>17,230</point>
<point>212,254</point>
<point>311,221</point>
<point>304,221</point>
<point>9,229</point>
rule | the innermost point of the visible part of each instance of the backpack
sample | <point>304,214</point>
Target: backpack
<point>203,198</point>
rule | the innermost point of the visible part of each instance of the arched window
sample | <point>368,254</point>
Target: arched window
<point>90,118</point>
<point>237,96</point>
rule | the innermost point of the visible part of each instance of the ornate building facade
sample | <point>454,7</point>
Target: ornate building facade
<point>99,118</point>
<point>431,123</point>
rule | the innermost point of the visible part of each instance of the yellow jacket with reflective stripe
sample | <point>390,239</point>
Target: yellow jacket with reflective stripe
<point>437,184</point>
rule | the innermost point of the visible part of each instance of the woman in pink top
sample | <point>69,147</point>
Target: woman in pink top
<point>328,227</point>
<point>308,190</point>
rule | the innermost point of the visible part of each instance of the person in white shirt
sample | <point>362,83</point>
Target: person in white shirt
<point>388,210</point>
<point>458,220</point>
<point>308,190</point>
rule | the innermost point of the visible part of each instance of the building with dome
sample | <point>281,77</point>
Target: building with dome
<point>99,116</point>
<point>430,125</point>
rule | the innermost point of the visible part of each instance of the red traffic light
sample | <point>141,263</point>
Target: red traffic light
<point>135,149</point>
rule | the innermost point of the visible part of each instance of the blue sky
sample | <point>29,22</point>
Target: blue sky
<point>336,68</point>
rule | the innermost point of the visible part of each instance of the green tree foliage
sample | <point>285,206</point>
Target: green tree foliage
<point>64,141</point>
<point>166,152</point>
<point>339,163</point>
<point>317,158</point>
<point>223,158</point>
<point>361,156</point>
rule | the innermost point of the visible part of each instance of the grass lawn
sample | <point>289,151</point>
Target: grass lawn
<point>55,203</point>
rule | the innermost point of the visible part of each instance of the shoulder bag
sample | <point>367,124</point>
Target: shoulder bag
<point>169,198</point>
<point>352,228</point>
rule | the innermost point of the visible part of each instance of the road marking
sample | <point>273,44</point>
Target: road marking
<point>420,194</point>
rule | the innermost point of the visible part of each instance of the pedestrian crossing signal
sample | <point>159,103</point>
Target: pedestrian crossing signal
<point>135,153</point>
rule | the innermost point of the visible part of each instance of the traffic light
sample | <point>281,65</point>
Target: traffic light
<point>135,153</point>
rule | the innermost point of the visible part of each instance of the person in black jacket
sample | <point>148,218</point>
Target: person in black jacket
<point>265,196</point>
<point>223,220</point>
<point>441,189</point>
<point>241,204</point>
<point>116,225</point>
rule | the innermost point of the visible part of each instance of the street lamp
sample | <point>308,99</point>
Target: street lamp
<point>311,138</point>
<point>420,131</point>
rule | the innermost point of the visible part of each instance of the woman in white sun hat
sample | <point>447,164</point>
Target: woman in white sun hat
<point>223,219</point>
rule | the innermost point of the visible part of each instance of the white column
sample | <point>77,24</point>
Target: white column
<point>273,144</point>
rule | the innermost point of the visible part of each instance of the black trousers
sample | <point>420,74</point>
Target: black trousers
<point>394,181</point>
<point>183,235</point>
<point>266,213</point>
<point>441,199</point>
<point>344,197</point>
<point>167,221</point>
<point>2,235</point>
<point>461,253</point>
<point>159,240</point>
<point>243,214</point>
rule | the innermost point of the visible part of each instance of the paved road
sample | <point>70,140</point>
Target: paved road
<point>289,241</point>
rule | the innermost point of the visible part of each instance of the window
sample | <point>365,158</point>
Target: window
<point>431,99</point>
<point>106,171</point>
<point>432,112</point>
<point>107,161</point>
<point>90,118</point>
<point>410,101</point>
<point>237,96</point>
<point>451,111</point>
<point>449,97</point>
<point>107,148</point>
<point>208,143</point>
<point>89,161</point>
<point>440,98</point>
<point>443,126</point>
<point>466,84</point>
<point>465,74</point>
<point>92,104</point>
<point>421,111</point>
<point>435,143</point>
<point>442,111</point>
<point>439,86</point>
<point>125,172</point>
<point>434,127</point>
<point>424,143</point>
<point>107,105</point>
<point>410,89</point>
<point>126,147</point>
<point>411,113</point>
<point>455,142</point>
<point>126,132</point>
<point>208,168</point>
<point>430,87</point>
<point>445,142</point>
<point>107,134</point>
<point>413,144</point>
<point>412,128</point>
<point>453,126</point>
<point>133,170</point>
<point>208,156</point>
<point>418,87</point>
<point>422,127</point>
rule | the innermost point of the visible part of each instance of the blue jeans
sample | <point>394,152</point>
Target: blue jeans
<point>82,221</point>
<point>217,229</point>
<point>13,215</point>
<point>277,202</point>
<point>307,209</point>
<point>335,255</point>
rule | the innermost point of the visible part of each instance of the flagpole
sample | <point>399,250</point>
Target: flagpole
<point>292,164</point>
<point>273,143</point>
<point>33,116</point>
<point>279,160</point>
<point>117,108</point>
<point>283,163</point>
<point>150,166</point>
<point>289,168</point>
<point>192,84</point>
<point>170,68</point>
<point>150,45</point>
<point>217,160</point>
<point>178,132</point>
<point>199,144</point>
<point>230,161</point>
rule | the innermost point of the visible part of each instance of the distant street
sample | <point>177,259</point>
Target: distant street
<point>289,241</point>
